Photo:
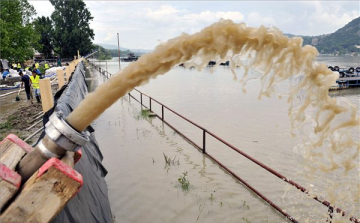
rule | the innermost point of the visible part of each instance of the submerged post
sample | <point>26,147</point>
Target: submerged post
<point>162,112</point>
<point>141,99</point>
<point>150,103</point>
<point>204,141</point>
<point>119,50</point>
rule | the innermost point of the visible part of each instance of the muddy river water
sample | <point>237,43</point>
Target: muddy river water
<point>143,188</point>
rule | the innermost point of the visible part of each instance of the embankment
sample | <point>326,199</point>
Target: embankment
<point>91,204</point>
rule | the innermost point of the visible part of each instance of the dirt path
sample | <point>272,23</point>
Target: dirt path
<point>17,116</point>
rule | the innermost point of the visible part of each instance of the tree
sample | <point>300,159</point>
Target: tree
<point>72,32</point>
<point>102,54</point>
<point>43,27</point>
<point>17,35</point>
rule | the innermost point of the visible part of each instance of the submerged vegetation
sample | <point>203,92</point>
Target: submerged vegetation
<point>184,182</point>
<point>169,161</point>
<point>143,114</point>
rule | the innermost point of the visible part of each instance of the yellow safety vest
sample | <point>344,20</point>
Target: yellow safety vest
<point>19,66</point>
<point>35,81</point>
<point>47,66</point>
<point>37,65</point>
<point>14,65</point>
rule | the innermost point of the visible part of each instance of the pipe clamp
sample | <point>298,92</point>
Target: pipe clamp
<point>59,131</point>
<point>46,152</point>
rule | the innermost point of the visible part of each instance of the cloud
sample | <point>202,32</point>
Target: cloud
<point>255,19</point>
<point>43,8</point>
<point>321,17</point>
<point>162,12</point>
<point>142,24</point>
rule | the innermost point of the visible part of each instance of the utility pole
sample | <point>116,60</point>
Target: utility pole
<point>119,50</point>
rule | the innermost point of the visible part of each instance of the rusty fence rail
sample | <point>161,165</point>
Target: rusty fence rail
<point>202,148</point>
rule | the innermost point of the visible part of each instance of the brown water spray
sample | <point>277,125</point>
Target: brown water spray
<point>277,57</point>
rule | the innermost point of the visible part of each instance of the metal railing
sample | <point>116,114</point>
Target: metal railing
<point>202,148</point>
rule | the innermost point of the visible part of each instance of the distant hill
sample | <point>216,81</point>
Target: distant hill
<point>343,41</point>
<point>110,47</point>
<point>115,47</point>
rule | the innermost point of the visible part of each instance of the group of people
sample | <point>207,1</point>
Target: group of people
<point>16,66</point>
<point>30,76</point>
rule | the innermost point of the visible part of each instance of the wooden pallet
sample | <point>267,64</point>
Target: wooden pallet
<point>45,194</point>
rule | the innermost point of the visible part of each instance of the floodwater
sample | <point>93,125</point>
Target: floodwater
<point>142,188</point>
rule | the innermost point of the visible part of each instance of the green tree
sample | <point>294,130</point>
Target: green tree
<point>102,53</point>
<point>17,35</point>
<point>43,27</point>
<point>72,32</point>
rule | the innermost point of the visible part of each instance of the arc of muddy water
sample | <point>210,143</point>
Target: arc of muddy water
<point>267,49</point>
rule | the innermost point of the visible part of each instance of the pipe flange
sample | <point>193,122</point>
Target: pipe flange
<point>46,152</point>
<point>59,131</point>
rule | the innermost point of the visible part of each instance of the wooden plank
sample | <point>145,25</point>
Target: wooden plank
<point>11,153</point>
<point>7,191</point>
<point>60,77</point>
<point>67,73</point>
<point>18,142</point>
<point>45,194</point>
<point>72,64</point>
<point>68,158</point>
<point>9,184</point>
<point>46,95</point>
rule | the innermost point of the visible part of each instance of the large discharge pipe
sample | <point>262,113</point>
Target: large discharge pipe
<point>59,138</point>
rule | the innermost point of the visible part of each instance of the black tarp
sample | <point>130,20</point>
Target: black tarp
<point>91,204</point>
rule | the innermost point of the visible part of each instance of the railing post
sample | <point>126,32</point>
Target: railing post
<point>204,141</point>
<point>141,99</point>
<point>162,112</point>
<point>330,212</point>
<point>150,103</point>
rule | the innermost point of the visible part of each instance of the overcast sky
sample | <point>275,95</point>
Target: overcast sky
<point>143,25</point>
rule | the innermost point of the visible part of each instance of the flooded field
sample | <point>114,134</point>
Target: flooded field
<point>143,188</point>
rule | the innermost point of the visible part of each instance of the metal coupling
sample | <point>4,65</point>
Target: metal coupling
<point>65,136</point>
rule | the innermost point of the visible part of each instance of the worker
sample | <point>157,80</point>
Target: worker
<point>37,70</point>
<point>35,79</point>
<point>46,65</point>
<point>19,65</point>
<point>5,73</point>
<point>59,62</point>
<point>14,66</point>
<point>25,81</point>
<point>37,65</point>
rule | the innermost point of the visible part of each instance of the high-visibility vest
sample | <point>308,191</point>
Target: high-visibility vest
<point>19,65</point>
<point>47,66</point>
<point>37,65</point>
<point>35,81</point>
<point>14,65</point>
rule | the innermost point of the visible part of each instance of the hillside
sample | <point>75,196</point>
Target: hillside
<point>343,41</point>
<point>114,47</point>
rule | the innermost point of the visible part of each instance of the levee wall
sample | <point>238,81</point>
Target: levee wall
<point>91,204</point>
